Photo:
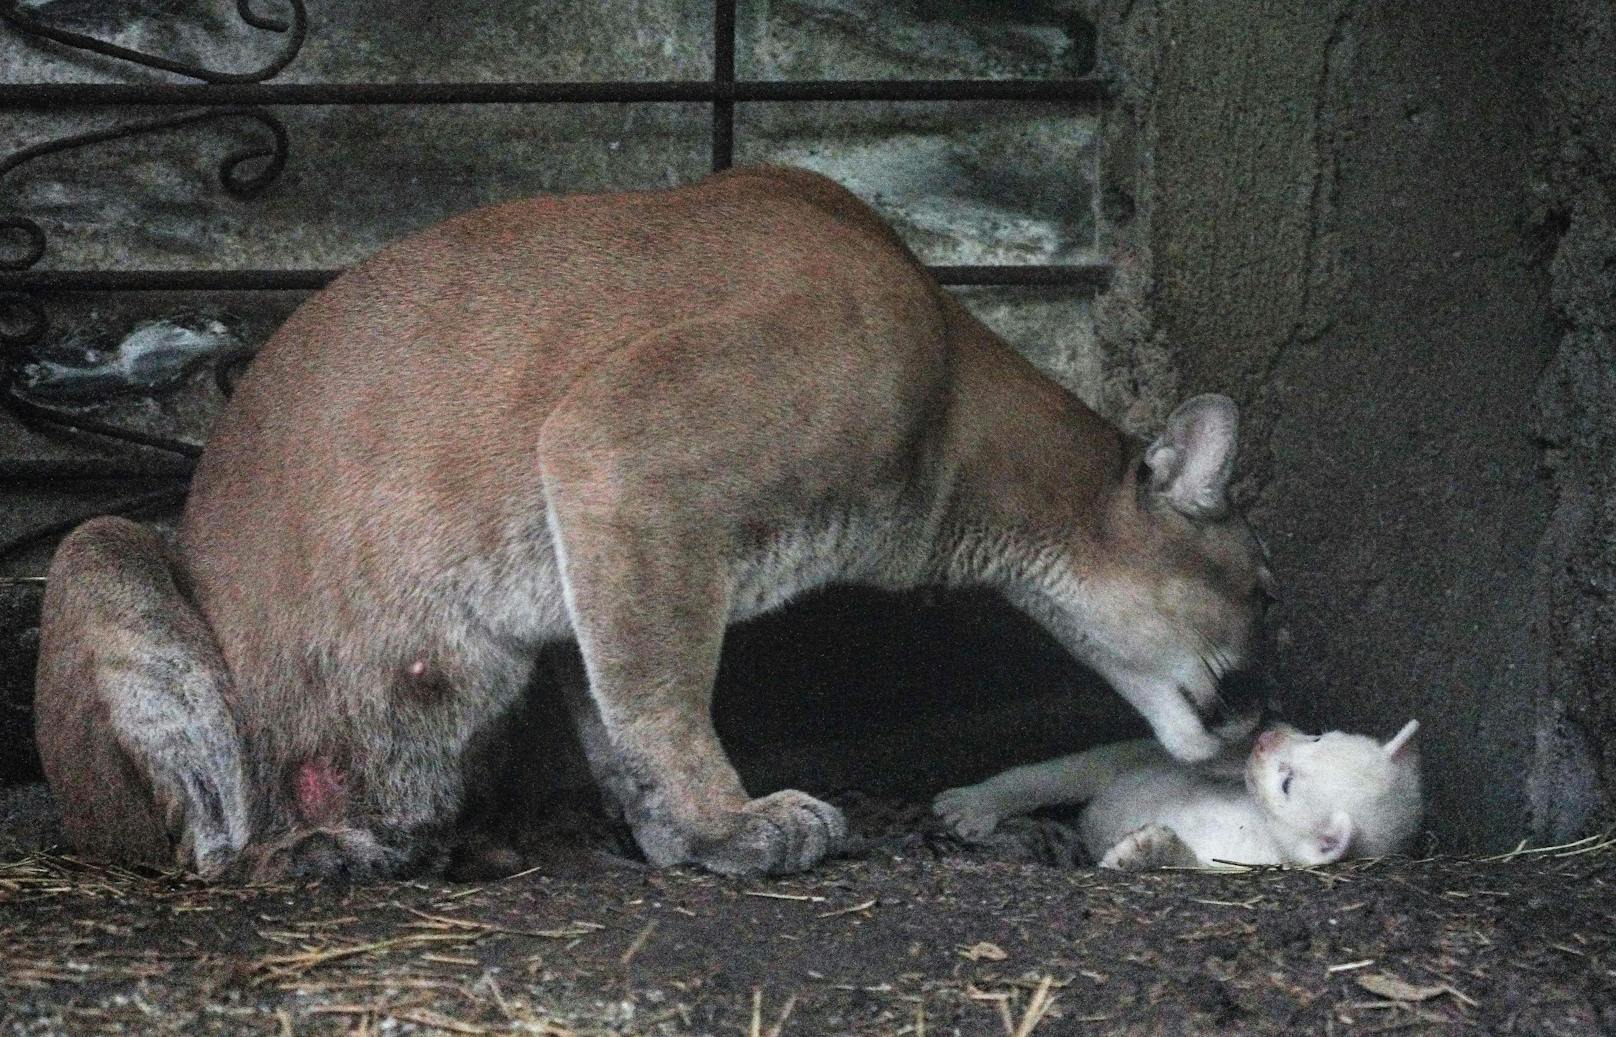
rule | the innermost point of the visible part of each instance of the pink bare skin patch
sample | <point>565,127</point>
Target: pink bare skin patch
<point>322,791</point>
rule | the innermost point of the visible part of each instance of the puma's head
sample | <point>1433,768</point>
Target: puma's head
<point>1327,796</point>
<point>1173,599</point>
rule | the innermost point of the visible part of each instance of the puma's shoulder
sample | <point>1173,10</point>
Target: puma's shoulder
<point>816,190</point>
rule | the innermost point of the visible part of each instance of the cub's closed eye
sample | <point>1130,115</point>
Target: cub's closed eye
<point>1285,786</point>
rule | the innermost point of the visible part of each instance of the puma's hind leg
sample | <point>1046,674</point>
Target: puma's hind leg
<point>137,739</point>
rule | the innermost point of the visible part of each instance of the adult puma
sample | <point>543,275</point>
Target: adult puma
<point>628,419</point>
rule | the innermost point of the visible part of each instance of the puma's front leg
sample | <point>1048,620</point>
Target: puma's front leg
<point>657,487</point>
<point>649,601</point>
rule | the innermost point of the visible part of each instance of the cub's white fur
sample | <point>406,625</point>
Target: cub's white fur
<point>1294,799</point>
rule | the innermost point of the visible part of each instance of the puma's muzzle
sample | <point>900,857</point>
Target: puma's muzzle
<point>1238,706</point>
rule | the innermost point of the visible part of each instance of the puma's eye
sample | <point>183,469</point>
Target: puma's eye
<point>1285,786</point>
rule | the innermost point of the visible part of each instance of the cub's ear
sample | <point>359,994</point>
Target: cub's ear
<point>1402,743</point>
<point>1192,460</point>
<point>1327,845</point>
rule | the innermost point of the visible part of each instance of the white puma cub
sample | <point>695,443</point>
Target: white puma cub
<point>1294,799</point>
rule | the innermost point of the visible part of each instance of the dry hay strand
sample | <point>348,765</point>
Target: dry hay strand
<point>1037,1008</point>
<point>1598,843</point>
<point>756,1029</point>
<point>290,966</point>
<point>424,931</point>
<point>46,874</point>
<point>1555,857</point>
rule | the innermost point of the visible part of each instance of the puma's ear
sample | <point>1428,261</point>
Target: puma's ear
<point>1192,460</point>
<point>1402,742</point>
<point>1329,844</point>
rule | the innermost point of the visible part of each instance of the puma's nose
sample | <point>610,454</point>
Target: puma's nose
<point>1268,740</point>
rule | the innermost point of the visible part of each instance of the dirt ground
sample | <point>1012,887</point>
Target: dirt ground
<point>910,934</point>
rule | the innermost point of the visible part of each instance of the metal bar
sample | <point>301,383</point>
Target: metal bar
<point>166,280</point>
<point>1096,275</point>
<point>32,414</point>
<point>155,500</point>
<point>52,471</point>
<point>56,95</point>
<point>308,280</point>
<point>723,77</point>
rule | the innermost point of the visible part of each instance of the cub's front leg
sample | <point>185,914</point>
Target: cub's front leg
<point>974,811</point>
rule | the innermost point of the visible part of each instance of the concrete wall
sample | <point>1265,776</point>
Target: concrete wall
<point>1386,229</point>
<point>1349,230</point>
<point>1572,214</point>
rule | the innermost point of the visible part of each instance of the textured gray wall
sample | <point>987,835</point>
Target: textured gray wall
<point>1572,214</point>
<point>1350,207</point>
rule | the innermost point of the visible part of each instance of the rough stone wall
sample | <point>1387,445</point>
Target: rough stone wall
<point>1574,212</point>
<point>1347,231</point>
<point>1405,492</point>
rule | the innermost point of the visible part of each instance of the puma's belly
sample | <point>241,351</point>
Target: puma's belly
<point>869,545</point>
<point>1225,827</point>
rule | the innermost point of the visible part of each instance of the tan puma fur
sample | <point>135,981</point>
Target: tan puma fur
<point>629,420</point>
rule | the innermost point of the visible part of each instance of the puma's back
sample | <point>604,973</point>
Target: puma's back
<point>378,460</point>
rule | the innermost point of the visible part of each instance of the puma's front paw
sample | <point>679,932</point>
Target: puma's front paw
<point>783,832</point>
<point>971,812</point>
<point>1151,846</point>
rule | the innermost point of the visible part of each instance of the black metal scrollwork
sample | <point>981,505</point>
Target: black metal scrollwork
<point>22,319</point>
<point>23,241</point>
<point>233,172</point>
<point>298,29</point>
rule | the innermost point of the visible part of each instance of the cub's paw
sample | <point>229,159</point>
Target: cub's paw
<point>1151,846</point>
<point>971,812</point>
<point>783,832</point>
